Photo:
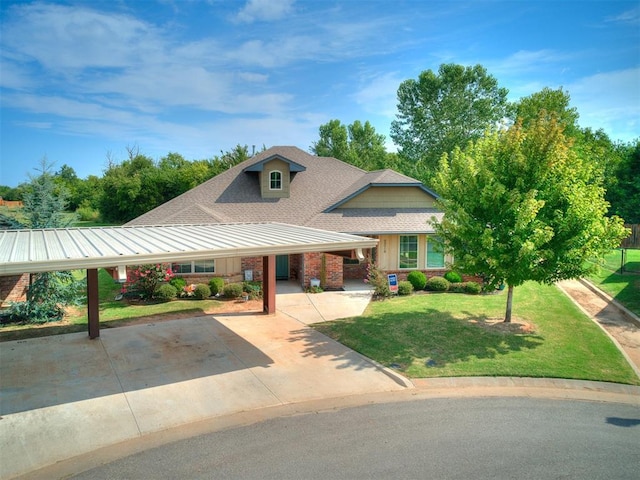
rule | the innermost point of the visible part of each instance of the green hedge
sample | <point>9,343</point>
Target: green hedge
<point>437,284</point>
<point>418,280</point>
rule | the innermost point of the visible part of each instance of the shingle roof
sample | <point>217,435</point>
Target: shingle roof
<point>234,196</point>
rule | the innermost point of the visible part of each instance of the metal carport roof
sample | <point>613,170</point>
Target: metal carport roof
<point>31,251</point>
<point>44,250</point>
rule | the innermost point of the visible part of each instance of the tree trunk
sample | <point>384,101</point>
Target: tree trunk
<point>507,315</point>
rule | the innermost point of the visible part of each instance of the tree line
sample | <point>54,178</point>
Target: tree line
<point>437,113</point>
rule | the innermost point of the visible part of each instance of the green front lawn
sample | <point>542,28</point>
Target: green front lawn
<point>625,288</point>
<point>448,334</point>
<point>112,312</point>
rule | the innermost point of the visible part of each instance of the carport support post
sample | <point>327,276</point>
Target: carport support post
<point>269,284</point>
<point>93,303</point>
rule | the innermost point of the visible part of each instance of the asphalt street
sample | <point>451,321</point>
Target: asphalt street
<point>435,438</point>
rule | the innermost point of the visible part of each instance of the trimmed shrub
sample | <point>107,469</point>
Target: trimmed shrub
<point>165,292</point>
<point>453,277</point>
<point>216,285</point>
<point>202,291</point>
<point>405,287</point>
<point>254,289</point>
<point>457,288</point>
<point>472,287</point>
<point>437,284</point>
<point>233,290</point>
<point>417,279</point>
<point>178,282</point>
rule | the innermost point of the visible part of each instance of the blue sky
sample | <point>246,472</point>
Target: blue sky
<point>83,80</point>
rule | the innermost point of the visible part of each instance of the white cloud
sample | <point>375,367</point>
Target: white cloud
<point>524,61</point>
<point>264,10</point>
<point>611,101</point>
<point>631,17</point>
<point>378,94</point>
<point>61,37</point>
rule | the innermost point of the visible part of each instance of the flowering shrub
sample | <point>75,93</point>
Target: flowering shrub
<point>378,280</point>
<point>188,291</point>
<point>146,278</point>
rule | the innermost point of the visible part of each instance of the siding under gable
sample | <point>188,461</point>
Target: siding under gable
<point>265,176</point>
<point>391,197</point>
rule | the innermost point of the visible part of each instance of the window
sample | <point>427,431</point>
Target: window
<point>408,251</point>
<point>199,266</point>
<point>435,254</point>
<point>275,180</point>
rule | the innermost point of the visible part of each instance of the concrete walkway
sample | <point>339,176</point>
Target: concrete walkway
<point>67,395</point>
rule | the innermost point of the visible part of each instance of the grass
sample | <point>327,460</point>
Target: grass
<point>625,288</point>
<point>440,335</point>
<point>112,312</point>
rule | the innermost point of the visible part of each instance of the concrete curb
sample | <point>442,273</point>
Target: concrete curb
<point>633,318</point>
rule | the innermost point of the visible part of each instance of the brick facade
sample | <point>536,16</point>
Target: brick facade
<point>324,267</point>
<point>355,271</point>
<point>255,264</point>
<point>13,289</point>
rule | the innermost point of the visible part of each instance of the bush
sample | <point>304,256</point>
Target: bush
<point>472,287</point>
<point>178,282</point>
<point>417,279</point>
<point>87,214</point>
<point>202,291</point>
<point>233,290</point>
<point>453,277</point>
<point>457,288</point>
<point>146,278</point>
<point>254,289</point>
<point>405,287</point>
<point>216,285</point>
<point>165,292</point>
<point>437,284</point>
<point>378,280</point>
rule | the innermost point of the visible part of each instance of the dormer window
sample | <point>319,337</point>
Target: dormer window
<point>275,180</point>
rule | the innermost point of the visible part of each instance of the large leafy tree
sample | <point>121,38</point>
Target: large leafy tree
<point>443,110</point>
<point>521,205</point>
<point>138,184</point>
<point>551,104</point>
<point>357,144</point>
<point>624,183</point>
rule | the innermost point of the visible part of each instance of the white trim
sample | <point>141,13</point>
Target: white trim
<point>400,250</point>
<point>271,172</point>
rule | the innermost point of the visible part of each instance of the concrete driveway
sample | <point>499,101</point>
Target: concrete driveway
<point>66,395</point>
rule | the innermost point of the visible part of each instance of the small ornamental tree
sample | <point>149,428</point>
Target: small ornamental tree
<point>378,280</point>
<point>146,278</point>
<point>522,205</point>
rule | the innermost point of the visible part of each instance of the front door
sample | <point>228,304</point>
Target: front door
<point>282,267</point>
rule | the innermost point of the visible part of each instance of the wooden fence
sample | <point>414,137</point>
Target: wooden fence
<point>10,203</point>
<point>633,240</point>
